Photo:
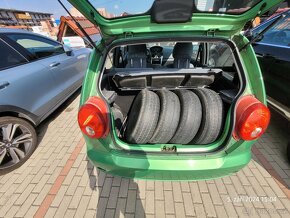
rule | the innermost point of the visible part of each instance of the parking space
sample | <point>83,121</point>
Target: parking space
<point>58,181</point>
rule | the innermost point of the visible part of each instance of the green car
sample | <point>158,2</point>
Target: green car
<point>154,104</point>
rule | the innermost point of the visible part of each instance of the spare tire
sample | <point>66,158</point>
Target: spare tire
<point>143,117</point>
<point>168,118</point>
<point>190,117</point>
<point>118,118</point>
<point>212,116</point>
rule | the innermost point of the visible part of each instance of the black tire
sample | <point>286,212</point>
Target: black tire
<point>212,116</point>
<point>143,117</point>
<point>14,154</point>
<point>118,118</point>
<point>168,118</point>
<point>190,117</point>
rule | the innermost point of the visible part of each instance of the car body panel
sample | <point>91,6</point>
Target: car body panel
<point>138,162</point>
<point>203,22</point>
<point>26,94</point>
<point>274,59</point>
<point>108,155</point>
<point>255,83</point>
<point>39,86</point>
<point>69,72</point>
<point>19,112</point>
<point>168,167</point>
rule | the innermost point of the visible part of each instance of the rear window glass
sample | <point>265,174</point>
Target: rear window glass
<point>121,8</point>
<point>164,55</point>
<point>225,6</point>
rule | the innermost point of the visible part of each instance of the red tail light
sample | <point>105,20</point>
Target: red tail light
<point>93,118</point>
<point>252,119</point>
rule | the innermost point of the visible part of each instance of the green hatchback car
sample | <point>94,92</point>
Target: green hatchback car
<point>154,104</point>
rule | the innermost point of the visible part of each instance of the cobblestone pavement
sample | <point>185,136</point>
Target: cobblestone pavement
<point>58,181</point>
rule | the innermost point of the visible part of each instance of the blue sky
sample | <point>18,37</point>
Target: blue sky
<point>120,6</point>
<point>52,6</point>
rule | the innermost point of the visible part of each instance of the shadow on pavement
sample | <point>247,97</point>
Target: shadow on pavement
<point>42,128</point>
<point>271,152</point>
<point>111,203</point>
<point>92,176</point>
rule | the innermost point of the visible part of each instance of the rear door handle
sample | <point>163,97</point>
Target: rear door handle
<point>54,64</point>
<point>3,85</point>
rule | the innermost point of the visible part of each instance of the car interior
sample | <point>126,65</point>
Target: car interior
<point>167,65</point>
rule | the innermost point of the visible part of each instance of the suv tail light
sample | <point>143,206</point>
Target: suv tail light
<point>252,119</point>
<point>93,118</point>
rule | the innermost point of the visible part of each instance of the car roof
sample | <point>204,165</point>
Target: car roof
<point>11,30</point>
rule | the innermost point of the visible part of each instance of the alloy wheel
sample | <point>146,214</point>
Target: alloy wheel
<point>16,142</point>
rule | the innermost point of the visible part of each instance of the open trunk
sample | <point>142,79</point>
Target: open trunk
<point>177,69</point>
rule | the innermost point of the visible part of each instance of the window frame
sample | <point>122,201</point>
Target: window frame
<point>17,52</point>
<point>31,57</point>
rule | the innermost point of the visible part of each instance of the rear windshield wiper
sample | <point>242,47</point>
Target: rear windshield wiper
<point>259,35</point>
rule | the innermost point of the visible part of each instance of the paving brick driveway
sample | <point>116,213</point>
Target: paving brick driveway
<point>58,181</point>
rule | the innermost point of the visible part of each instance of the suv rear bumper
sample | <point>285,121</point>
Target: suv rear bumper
<point>169,167</point>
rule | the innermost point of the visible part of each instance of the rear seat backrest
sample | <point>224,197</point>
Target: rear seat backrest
<point>137,56</point>
<point>182,52</point>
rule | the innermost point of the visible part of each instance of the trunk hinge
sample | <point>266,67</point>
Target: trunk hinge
<point>128,35</point>
<point>211,32</point>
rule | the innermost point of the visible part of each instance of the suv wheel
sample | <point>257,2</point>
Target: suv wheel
<point>18,140</point>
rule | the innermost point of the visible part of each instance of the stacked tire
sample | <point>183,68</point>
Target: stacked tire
<point>175,117</point>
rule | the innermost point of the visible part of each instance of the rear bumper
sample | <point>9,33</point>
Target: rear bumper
<point>169,167</point>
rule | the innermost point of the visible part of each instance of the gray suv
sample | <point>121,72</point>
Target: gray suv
<point>37,75</point>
